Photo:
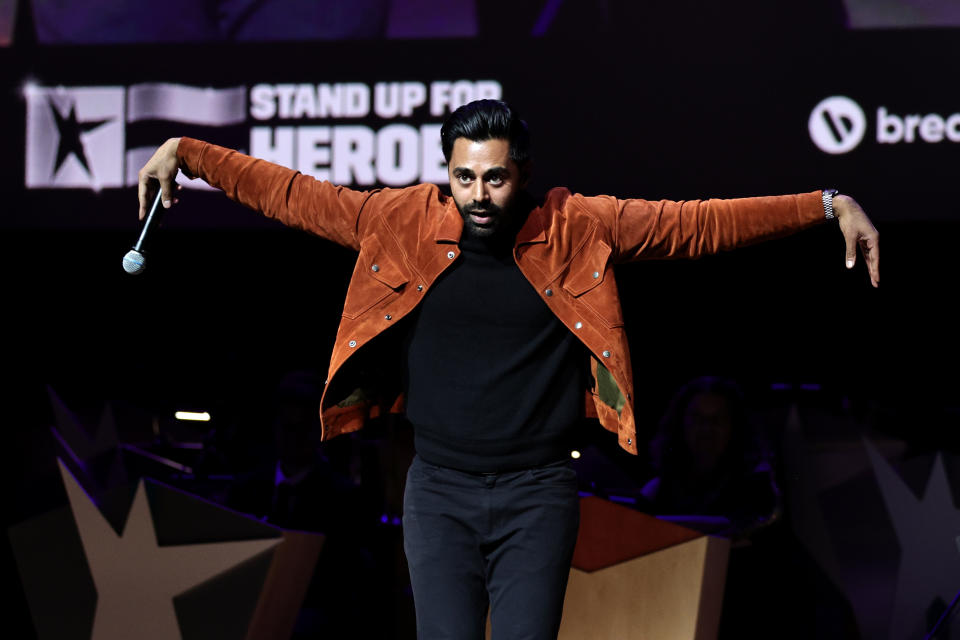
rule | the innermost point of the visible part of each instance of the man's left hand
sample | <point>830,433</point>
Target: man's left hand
<point>858,230</point>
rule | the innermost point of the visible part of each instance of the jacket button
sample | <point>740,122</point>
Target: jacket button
<point>549,292</point>
<point>388,317</point>
<point>596,274</point>
<point>451,255</point>
<point>419,287</point>
<point>375,267</point>
<point>579,325</point>
<point>352,343</point>
<point>606,354</point>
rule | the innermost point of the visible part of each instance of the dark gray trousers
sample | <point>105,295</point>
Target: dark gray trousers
<point>500,540</point>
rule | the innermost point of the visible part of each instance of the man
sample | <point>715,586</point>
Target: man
<point>506,322</point>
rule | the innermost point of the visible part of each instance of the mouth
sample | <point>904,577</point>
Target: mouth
<point>481,218</point>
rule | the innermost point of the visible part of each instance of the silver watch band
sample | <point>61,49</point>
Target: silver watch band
<point>828,203</point>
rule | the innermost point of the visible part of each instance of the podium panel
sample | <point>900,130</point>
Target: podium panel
<point>636,577</point>
<point>671,594</point>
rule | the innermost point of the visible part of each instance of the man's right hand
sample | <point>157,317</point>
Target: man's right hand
<point>161,168</point>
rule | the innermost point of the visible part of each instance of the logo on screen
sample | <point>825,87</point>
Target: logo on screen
<point>75,137</point>
<point>837,125</point>
<point>351,133</point>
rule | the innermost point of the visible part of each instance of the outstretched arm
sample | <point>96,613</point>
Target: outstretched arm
<point>335,213</point>
<point>643,229</point>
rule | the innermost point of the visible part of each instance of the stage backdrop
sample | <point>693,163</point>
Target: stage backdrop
<point>633,99</point>
<point>621,99</point>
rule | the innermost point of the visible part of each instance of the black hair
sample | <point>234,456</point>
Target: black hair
<point>487,120</point>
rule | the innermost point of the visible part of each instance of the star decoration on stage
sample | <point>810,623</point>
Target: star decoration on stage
<point>84,447</point>
<point>70,130</point>
<point>928,530</point>
<point>858,518</point>
<point>135,578</point>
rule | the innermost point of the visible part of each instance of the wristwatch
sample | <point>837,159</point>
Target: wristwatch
<point>828,203</point>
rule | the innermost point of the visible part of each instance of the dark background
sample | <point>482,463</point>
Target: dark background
<point>667,105</point>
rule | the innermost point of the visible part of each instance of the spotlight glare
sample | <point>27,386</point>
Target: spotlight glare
<point>574,454</point>
<point>201,416</point>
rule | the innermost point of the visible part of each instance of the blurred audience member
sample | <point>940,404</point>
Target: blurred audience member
<point>712,464</point>
<point>715,468</point>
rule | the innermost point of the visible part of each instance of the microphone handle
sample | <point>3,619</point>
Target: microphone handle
<point>153,220</point>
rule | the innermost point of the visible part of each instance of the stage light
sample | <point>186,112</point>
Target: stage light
<point>197,416</point>
<point>574,454</point>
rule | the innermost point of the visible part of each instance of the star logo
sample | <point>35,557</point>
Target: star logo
<point>94,458</point>
<point>146,560</point>
<point>75,137</point>
<point>894,551</point>
<point>928,530</point>
<point>135,578</point>
<point>71,130</point>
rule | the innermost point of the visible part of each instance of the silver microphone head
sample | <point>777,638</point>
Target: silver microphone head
<point>134,262</point>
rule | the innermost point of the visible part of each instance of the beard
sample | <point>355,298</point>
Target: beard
<point>497,214</point>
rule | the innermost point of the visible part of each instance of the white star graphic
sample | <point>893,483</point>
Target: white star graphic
<point>927,530</point>
<point>135,578</point>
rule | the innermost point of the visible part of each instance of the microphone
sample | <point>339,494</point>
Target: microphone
<point>135,260</point>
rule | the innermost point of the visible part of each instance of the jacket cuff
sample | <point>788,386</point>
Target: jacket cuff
<point>809,209</point>
<point>189,153</point>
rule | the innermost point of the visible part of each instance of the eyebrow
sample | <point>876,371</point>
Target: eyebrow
<point>492,172</point>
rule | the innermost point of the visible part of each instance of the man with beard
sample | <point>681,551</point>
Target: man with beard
<point>509,322</point>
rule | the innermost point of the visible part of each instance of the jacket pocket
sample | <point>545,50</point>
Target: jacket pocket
<point>377,276</point>
<point>589,279</point>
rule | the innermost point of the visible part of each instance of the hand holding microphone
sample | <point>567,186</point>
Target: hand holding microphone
<point>135,261</point>
<point>162,167</point>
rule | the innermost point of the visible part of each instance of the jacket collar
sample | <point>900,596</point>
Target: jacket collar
<point>451,224</point>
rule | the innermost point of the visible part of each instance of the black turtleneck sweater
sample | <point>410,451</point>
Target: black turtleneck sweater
<point>494,381</point>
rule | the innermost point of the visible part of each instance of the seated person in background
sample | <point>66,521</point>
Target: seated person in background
<point>711,464</point>
<point>714,468</point>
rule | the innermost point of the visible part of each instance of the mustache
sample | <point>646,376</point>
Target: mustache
<point>487,207</point>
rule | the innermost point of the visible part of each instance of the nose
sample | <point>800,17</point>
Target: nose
<point>480,193</point>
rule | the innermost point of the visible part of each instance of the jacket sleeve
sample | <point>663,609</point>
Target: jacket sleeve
<point>644,229</point>
<point>335,213</point>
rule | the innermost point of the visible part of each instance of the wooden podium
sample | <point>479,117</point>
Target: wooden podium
<point>637,577</point>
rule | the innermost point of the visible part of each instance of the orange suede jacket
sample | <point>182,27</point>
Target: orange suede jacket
<point>567,249</point>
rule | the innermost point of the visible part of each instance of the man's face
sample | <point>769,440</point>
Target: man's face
<point>484,182</point>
